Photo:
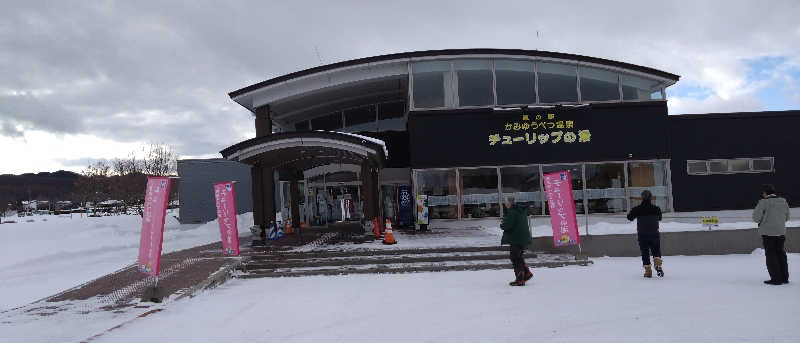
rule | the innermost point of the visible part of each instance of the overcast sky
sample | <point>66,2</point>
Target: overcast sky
<point>87,80</point>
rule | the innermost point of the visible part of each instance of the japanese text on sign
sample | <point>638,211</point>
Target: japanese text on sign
<point>154,213</point>
<point>544,129</point>
<point>226,215</point>
<point>560,201</point>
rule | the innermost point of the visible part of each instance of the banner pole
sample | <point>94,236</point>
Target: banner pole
<point>587,223</point>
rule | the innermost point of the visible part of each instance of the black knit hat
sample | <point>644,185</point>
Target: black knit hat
<point>647,196</point>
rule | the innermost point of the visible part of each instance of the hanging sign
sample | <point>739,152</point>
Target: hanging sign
<point>560,200</point>
<point>153,215</point>
<point>226,216</point>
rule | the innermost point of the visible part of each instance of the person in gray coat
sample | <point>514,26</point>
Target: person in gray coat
<point>771,214</point>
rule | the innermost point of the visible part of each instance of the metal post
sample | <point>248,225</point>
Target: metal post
<point>585,197</point>
<point>458,193</point>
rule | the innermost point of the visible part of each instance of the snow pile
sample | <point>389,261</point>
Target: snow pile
<point>54,253</point>
<point>606,224</point>
<point>702,299</point>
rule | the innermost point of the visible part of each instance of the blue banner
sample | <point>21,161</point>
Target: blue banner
<point>405,203</point>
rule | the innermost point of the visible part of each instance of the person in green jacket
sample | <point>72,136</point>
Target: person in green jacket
<point>517,234</point>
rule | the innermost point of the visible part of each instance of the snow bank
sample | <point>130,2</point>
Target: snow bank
<point>607,224</point>
<point>54,253</point>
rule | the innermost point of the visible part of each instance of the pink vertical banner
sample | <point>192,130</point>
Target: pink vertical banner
<point>558,187</point>
<point>153,215</point>
<point>226,215</point>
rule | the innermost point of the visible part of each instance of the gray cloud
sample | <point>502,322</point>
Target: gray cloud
<point>130,71</point>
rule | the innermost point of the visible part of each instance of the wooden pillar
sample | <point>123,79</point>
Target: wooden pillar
<point>295,194</point>
<point>258,196</point>
<point>263,121</point>
<point>366,190</point>
<point>268,189</point>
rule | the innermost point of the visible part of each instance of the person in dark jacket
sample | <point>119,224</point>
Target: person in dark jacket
<point>647,217</point>
<point>517,234</point>
<point>771,214</point>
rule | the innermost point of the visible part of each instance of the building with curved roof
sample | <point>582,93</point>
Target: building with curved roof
<point>465,128</point>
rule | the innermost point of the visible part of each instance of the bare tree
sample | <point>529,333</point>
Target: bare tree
<point>128,182</point>
<point>160,160</point>
<point>94,185</point>
<point>129,178</point>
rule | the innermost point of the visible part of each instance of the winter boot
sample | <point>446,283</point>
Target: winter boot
<point>520,281</point>
<point>657,263</point>
<point>647,271</point>
<point>528,273</point>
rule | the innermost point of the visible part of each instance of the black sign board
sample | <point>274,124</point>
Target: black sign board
<point>495,137</point>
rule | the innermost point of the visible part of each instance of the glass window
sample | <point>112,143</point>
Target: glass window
<point>739,165</point>
<point>598,84</point>
<point>650,176</point>
<point>474,80</point>
<point>697,167</point>
<point>605,187</point>
<point>431,84</point>
<point>523,183</point>
<point>301,126</point>
<point>639,88</point>
<point>329,122</point>
<point>576,175</point>
<point>557,82</point>
<point>479,193</point>
<point>515,82</point>
<point>719,166</point>
<point>391,116</point>
<point>656,95</point>
<point>440,187</point>
<point>762,164</point>
<point>360,119</point>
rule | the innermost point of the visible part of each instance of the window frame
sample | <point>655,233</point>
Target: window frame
<point>451,88</point>
<point>751,169</point>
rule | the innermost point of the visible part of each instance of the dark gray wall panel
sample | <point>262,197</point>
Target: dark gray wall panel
<point>197,180</point>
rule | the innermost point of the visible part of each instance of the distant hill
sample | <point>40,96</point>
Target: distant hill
<point>55,186</point>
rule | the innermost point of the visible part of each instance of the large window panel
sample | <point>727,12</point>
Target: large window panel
<point>639,88</point>
<point>598,84</point>
<point>762,164</point>
<point>557,82</point>
<point>330,122</point>
<point>431,88</point>
<point>473,78</point>
<point>605,187</point>
<point>479,193</point>
<point>650,176</point>
<point>391,116</point>
<point>524,184</point>
<point>576,174</point>
<point>515,82</point>
<point>440,187</point>
<point>360,119</point>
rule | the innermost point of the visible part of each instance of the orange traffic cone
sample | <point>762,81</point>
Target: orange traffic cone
<point>388,237</point>
<point>376,229</point>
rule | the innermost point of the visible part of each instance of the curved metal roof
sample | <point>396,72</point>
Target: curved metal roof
<point>454,53</point>
<point>306,150</point>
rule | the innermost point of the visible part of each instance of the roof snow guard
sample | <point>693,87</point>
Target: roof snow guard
<point>306,150</point>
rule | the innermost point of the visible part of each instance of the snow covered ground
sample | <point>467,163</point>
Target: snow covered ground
<point>54,253</point>
<point>702,299</point>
